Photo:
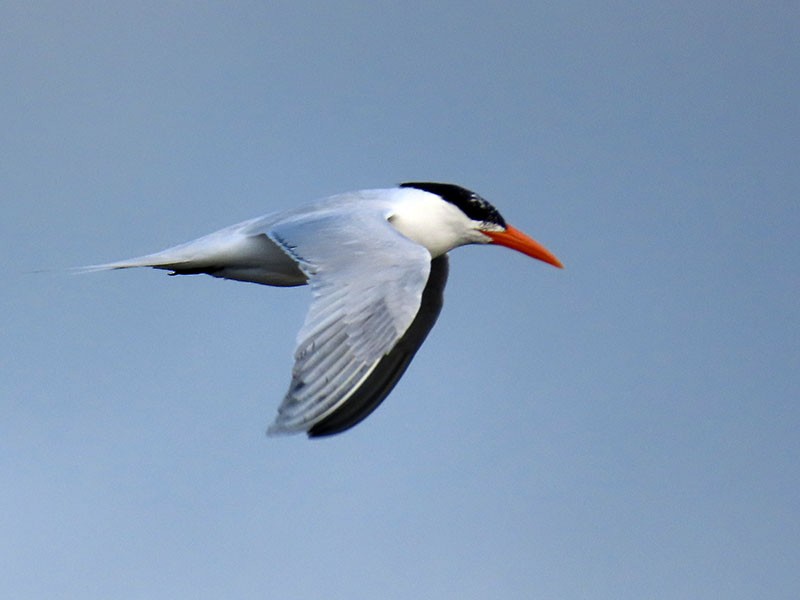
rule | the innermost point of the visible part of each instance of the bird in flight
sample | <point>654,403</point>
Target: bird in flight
<point>376,261</point>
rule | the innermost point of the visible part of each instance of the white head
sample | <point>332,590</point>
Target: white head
<point>458,217</point>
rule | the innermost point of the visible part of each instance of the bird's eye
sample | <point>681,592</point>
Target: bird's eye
<point>489,226</point>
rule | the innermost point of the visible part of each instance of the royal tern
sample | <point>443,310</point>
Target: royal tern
<point>376,261</point>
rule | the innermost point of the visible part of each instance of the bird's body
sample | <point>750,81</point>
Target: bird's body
<point>376,262</point>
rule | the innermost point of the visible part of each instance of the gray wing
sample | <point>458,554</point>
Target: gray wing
<point>367,282</point>
<point>391,367</point>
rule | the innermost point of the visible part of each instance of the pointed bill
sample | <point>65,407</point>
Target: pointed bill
<point>516,240</point>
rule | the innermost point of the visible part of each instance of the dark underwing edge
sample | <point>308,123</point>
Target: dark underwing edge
<point>392,366</point>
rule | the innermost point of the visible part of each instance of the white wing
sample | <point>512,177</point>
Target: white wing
<point>367,281</point>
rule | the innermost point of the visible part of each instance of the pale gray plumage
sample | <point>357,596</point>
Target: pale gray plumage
<point>376,263</point>
<point>353,321</point>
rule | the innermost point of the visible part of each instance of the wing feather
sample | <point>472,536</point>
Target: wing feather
<point>391,367</point>
<point>367,282</point>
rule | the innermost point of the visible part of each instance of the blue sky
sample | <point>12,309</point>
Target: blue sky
<point>624,428</point>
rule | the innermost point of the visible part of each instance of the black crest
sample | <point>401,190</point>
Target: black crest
<point>470,203</point>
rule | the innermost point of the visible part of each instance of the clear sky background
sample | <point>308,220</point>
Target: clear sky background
<point>625,428</point>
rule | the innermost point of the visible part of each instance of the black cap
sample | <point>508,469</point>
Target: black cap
<point>470,203</point>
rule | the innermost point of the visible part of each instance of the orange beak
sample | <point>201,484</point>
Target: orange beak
<point>516,240</point>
